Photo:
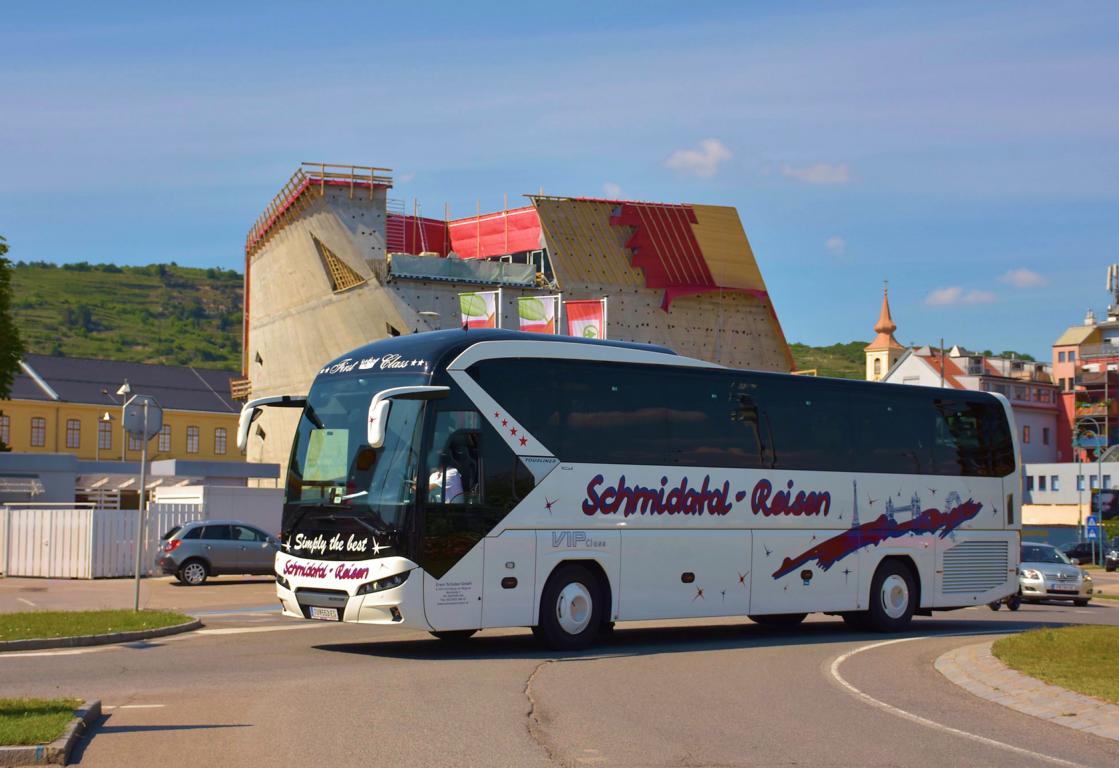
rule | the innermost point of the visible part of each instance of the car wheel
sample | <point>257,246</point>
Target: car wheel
<point>1109,568</point>
<point>995,605</point>
<point>570,609</point>
<point>891,597</point>
<point>193,573</point>
<point>779,619</point>
<point>455,635</point>
<point>1014,602</point>
<point>1081,603</point>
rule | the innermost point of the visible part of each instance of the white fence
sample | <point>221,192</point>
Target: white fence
<point>64,543</point>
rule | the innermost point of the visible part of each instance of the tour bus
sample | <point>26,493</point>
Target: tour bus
<point>461,480</point>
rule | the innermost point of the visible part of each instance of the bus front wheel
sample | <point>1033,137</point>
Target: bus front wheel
<point>892,598</point>
<point>570,609</point>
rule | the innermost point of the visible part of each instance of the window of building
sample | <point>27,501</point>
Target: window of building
<point>1054,483</point>
<point>1072,355</point>
<point>1080,482</point>
<point>1045,435</point>
<point>5,429</point>
<point>73,433</point>
<point>165,438</point>
<point>1041,482</point>
<point>38,432</point>
<point>192,439</point>
<point>134,442</point>
<point>1029,482</point>
<point>1107,481</point>
<point>877,367</point>
<point>104,435</point>
<point>1026,433</point>
<point>1093,482</point>
<point>1061,383</point>
<point>219,441</point>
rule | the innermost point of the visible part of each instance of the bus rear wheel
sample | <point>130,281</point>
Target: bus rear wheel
<point>892,598</point>
<point>570,609</point>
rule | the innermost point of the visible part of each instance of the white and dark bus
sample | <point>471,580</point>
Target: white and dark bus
<point>461,480</point>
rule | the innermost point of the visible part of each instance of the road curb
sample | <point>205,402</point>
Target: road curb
<point>975,669</point>
<point>80,641</point>
<point>58,751</point>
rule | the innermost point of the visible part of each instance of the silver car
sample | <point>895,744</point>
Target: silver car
<point>1044,573</point>
<point>204,548</point>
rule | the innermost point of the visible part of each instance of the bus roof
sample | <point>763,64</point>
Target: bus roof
<point>433,348</point>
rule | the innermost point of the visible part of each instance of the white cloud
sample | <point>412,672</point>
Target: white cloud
<point>944,297</point>
<point>611,190</point>
<point>836,245</point>
<point>820,173</point>
<point>1024,278</point>
<point>703,162</point>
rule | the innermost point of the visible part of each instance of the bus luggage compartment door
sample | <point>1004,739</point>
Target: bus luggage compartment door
<point>510,580</point>
<point>454,601</point>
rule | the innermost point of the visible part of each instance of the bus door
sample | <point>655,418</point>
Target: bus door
<point>473,481</point>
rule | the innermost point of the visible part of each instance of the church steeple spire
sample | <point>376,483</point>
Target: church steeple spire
<point>884,351</point>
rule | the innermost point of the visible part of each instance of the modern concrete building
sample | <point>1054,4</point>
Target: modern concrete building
<point>334,263</point>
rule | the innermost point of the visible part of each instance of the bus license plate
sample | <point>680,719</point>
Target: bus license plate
<point>325,614</point>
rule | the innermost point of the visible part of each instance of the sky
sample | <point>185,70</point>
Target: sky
<point>966,152</point>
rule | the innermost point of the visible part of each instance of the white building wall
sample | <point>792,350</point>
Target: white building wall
<point>1040,423</point>
<point>1067,490</point>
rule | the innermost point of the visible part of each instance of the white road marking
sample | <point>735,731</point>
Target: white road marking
<point>26,602</point>
<point>248,630</point>
<point>925,721</point>
<point>141,706</point>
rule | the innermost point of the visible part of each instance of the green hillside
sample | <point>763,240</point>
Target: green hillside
<point>162,313</point>
<point>844,361</point>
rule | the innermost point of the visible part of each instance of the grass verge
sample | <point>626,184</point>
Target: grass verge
<point>36,625</point>
<point>1084,659</point>
<point>25,722</point>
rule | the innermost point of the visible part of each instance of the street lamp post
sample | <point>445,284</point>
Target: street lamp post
<point>124,391</point>
<point>1081,424</point>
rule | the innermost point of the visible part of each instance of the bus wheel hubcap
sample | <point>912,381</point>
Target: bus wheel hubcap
<point>573,608</point>
<point>895,596</point>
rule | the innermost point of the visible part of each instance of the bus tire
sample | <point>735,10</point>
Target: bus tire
<point>892,597</point>
<point>454,635</point>
<point>570,609</point>
<point>778,619</point>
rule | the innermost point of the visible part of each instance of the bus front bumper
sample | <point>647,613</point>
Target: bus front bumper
<point>372,601</point>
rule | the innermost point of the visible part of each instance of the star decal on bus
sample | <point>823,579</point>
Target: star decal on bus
<point>377,547</point>
<point>742,578</point>
<point>698,594</point>
<point>549,503</point>
<point>513,431</point>
<point>870,501</point>
<point>524,441</point>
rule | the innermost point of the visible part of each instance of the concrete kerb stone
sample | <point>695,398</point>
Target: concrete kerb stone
<point>86,640</point>
<point>58,751</point>
<point>975,669</point>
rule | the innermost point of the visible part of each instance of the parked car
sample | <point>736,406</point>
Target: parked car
<point>1044,573</point>
<point>1111,555</point>
<point>197,550</point>
<point>1082,551</point>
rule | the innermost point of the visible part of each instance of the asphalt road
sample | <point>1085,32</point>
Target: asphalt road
<point>255,689</point>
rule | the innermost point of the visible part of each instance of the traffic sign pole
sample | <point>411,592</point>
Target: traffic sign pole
<point>140,507</point>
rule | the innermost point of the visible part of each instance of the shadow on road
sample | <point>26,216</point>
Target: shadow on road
<point>213,582</point>
<point>100,727</point>
<point>645,641</point>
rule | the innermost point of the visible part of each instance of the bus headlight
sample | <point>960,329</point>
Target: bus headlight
<point>380,585</point>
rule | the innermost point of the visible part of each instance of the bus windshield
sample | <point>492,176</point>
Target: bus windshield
<point>333,466</point>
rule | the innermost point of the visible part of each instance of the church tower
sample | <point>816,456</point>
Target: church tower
<point>884,351</point>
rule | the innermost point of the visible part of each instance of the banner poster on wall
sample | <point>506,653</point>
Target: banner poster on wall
<point>586,319</point>
<point>538,314</point>
<point>480,310</point>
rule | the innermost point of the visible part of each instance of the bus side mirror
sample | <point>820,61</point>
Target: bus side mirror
<point>252,409</point>
<point>380,404</point>
<point>378,418</point>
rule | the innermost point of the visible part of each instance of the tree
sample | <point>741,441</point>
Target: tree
<point>11,346</point>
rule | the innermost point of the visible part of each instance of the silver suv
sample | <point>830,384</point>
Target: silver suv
<point>203,548</point>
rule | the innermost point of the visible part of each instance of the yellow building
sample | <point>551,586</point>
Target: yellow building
<point>74,405</point>
<point>884,351</point>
